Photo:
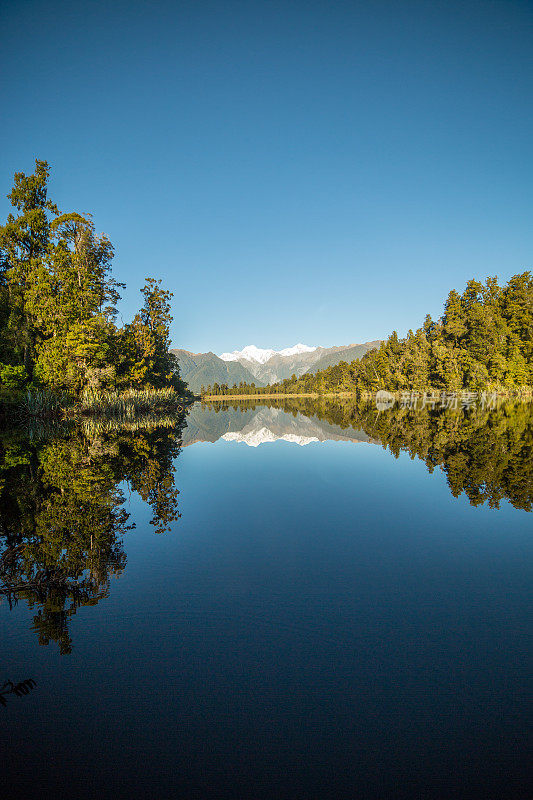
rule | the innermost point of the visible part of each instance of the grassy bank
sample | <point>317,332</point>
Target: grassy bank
<point>121,406</point>
<point>130,403</point>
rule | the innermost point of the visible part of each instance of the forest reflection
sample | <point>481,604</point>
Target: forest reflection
<point>485,453</point>
<point>62,514</point>
<point>62,518</point>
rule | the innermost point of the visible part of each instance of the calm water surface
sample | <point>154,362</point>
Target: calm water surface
<point>310,617</point>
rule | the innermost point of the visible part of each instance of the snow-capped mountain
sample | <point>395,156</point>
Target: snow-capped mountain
<point>262,425</point>
<point>261,366</point>
<point>263,435</point>
<point>271,366</point>
<point>253,353</point>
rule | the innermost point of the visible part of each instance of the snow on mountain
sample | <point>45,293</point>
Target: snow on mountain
<point>249,353</point>
<point>273,425</point>
<point>296,350</point>
<point>259,356</point>
<point>262,436</point>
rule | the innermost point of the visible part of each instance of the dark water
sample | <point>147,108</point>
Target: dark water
<point>312,616</point>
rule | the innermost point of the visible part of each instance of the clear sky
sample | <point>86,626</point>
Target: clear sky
<point>306,171</point>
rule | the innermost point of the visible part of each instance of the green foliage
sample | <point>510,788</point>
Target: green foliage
<point>146,342</point>
<point>13,377</point>
<point>58,303</point>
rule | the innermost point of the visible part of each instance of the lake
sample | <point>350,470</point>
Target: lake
<point>299,599</point>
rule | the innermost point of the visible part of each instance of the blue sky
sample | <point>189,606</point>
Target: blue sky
<point>306,171</point>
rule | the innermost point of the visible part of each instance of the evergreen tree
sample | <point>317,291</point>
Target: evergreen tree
<point>147,341</point>
<point>24,241</point>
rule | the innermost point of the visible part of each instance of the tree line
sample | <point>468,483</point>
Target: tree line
<point>223,388</point>
<point>58,304</point>
<point>482,341</point>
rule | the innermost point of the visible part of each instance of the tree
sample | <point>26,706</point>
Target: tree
<point>453,321</point>
<point>24,241</point>
<point>71,301</point>
<point>147,341</point>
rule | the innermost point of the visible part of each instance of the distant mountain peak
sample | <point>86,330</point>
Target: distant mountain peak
<point>262,367</point>
<point>259,356</point>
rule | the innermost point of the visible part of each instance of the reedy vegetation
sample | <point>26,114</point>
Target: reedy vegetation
<point>126,404</point>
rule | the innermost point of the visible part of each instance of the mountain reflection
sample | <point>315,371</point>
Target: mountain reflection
<point>487,453</point>
<point>62,518</point>
<point>255,423</point>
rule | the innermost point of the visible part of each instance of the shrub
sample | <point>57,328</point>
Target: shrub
<point>43,401</point>
<point>13,377</point>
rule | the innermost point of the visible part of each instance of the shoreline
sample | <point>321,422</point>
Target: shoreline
<point>524,395</point>
<point>211,397</point>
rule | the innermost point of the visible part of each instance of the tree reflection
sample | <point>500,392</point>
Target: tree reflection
<point>485,453</point>
<point>62,519</point>
<point>17,689</point>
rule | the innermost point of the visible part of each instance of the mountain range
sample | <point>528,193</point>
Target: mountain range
<point>255,365</point>
<point>262,425</point>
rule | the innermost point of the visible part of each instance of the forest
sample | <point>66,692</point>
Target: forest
<point>482,341</point>
<point>58,308</point>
